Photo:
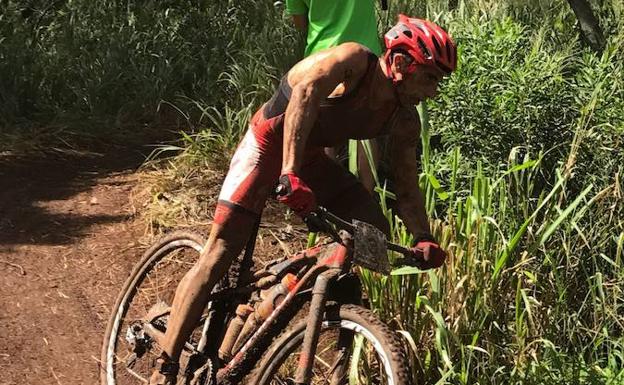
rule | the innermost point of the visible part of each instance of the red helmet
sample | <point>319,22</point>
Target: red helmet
<point>424,41</point>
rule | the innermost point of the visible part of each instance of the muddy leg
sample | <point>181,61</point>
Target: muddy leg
<point>225,243</point>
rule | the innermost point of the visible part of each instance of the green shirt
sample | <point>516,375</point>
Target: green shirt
<point>332,22</point>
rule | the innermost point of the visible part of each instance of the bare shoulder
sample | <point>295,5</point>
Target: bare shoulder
<point>352,51</point>
<point>348,59</point>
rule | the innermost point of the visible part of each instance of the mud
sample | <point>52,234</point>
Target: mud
<point>68,237</point>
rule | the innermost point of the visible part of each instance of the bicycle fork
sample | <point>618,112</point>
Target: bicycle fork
<point>313,329</point>
<point>335,262</point>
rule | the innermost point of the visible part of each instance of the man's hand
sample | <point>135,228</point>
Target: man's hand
<point>296,194</point>
<point>428,254</point>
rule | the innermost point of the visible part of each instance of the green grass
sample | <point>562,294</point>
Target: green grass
<point>521,274</point>
<point>524,192</point>
<point>521,157</point>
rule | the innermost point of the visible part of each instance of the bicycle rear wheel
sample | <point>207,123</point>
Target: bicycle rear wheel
<point>375,355</point>
<point>127,353</point>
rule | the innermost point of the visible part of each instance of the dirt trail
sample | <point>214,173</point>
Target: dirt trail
<point>68,237</point>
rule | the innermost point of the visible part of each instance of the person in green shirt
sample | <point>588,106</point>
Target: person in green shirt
<point>331,22</point>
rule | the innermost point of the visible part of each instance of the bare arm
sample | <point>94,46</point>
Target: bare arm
<point>404,142</point>
<point>300,22</point>
<point>316,79</point>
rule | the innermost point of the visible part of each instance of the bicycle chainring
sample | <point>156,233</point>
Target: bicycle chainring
<point>202,375</point>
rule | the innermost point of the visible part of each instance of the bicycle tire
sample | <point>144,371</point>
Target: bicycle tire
<point>351,317</point>
<point>153,255</point>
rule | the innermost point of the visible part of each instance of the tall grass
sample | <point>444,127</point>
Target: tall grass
<point>523,181</point>
<point>532,284</point>
<point>527,199</point>
<point>106,67</point>
<point>524,192</point>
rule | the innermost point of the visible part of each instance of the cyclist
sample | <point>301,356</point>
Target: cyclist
<point>344,92</point>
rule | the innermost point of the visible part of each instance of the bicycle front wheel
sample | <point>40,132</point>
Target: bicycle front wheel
<point>127,354</point>
<point>372,355</point>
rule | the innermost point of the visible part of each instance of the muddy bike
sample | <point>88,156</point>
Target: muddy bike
<point>295,321</point>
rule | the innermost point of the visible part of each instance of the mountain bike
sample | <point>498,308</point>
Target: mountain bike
<point>297,320</point>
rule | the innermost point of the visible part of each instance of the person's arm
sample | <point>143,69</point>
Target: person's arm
<point>299,12</point>
<point>315,83</point>
<point>404,143</point>
<point>301,22</point>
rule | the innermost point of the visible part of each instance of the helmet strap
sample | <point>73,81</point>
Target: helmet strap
<point>387,62</point>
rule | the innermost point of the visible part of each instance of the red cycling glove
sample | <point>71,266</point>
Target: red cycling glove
<point>429,254</point>
<point>296,194</point>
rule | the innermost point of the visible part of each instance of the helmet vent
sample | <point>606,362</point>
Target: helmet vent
<point>424,49</point>
<point>421,27</point>
<point>404,29</point>
<point>392,35</point>
<point>437,46</point>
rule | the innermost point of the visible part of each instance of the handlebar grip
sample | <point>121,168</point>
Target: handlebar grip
<point>400,249</point>
<point>411,257</point>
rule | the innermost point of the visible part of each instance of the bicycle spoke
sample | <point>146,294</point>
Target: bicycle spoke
<point>132,363</point>
<point>365,367</point>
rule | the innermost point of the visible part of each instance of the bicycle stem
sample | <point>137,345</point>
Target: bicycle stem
<point>326,216</point>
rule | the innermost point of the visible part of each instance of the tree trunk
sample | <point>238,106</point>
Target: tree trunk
<point>590,28</point>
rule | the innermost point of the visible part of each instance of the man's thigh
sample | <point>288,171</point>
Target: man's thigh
<point>340,191</point>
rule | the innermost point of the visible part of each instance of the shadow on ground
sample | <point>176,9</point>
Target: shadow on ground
<point>34,192</point>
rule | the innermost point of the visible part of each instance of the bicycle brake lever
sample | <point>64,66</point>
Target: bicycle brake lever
<point>315,223</point>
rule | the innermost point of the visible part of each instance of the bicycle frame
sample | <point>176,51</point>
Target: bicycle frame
<point>331,261</point>
<point>319,267</point>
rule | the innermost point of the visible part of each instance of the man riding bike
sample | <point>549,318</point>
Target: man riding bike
<point>341,93</point>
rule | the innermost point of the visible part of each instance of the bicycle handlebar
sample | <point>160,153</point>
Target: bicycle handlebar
<point>318,220</point>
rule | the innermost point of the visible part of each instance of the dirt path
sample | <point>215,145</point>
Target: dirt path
<point>68,237</point>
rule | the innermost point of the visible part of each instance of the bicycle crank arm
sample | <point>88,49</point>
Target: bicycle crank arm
<point>155,334</point>
<point>159,336</point>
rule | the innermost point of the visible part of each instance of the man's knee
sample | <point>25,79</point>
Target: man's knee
<point>214,258</point>
<point>224,245</point>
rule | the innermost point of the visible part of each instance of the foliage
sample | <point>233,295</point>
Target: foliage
<point>531,292</point>
<point>532,212</point>
<point>524,188</point>
<point>113,62</point>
